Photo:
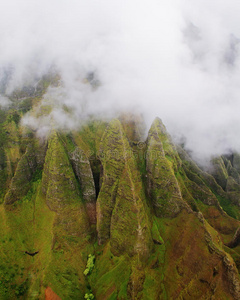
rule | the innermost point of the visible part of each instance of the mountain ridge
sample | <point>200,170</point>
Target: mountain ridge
<point>155,224</point>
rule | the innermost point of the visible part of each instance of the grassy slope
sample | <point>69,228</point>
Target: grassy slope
<point>173,267</point>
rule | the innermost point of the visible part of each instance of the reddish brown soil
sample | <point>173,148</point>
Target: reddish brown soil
<point>91,211</point>
<point>50,295</point>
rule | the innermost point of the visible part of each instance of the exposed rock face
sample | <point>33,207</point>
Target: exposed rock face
<point>232,277</point>
<point>160,228</point>
<point>236,239</point>
<point>82,168</point>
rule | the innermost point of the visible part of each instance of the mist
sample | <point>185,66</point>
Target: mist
<point>178,60</point>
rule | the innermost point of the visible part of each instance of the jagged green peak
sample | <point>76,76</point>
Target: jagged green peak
<point>114,147</point>
<point>61,190</point>
<point>59,182</point>
<point>163,186</point>
<point>115,153</point>
<point>158,123</point>
<point>25,170</point>
<point>159,136</point>
<point>114,128</point>
<point>114,123</point>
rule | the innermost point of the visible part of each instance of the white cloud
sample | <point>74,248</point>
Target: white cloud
<point>178,60</point>
<point>4,102</point>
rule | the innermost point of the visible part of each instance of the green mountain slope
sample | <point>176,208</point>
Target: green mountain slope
<point>100,212</point>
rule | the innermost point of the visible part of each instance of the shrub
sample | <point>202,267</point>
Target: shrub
<point>89,296</point>
<point>90,265</point>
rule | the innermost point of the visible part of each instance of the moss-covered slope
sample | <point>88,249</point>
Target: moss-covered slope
<point>162,163</point>
<point>110,216</point>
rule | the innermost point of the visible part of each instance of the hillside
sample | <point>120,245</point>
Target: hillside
<point>103,213</point>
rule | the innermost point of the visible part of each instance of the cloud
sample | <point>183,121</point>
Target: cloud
<point>178,60</point>
<point>4,102</point>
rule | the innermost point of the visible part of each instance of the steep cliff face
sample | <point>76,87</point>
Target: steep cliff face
<point>101,213</point>
<point>122,212</point>
<point>162,163</point>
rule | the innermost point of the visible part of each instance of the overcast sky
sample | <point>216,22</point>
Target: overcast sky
<point>178,60</point>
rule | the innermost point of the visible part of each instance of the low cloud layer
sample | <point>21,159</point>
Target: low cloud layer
<point>178,60</point>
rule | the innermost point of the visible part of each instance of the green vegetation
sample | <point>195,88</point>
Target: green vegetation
<point>90,265</point>
<point>157,229</point>
<point>89,296</point>
<point>165,191</point>
<point>231,209</point>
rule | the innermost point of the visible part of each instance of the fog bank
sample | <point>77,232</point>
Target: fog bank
<point>178,60</point>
